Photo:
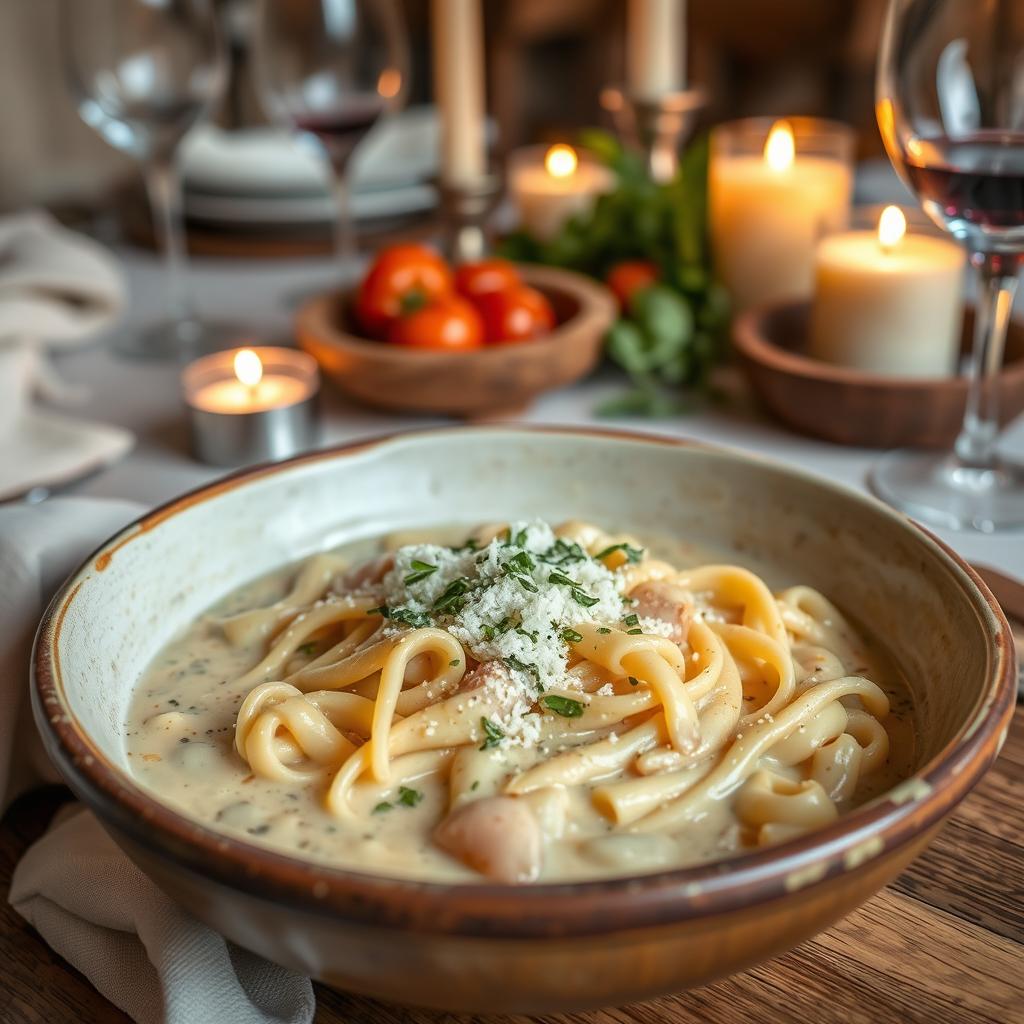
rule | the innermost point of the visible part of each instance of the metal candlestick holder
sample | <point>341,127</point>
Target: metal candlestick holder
<point>465,210</point>
<point>658,126</point>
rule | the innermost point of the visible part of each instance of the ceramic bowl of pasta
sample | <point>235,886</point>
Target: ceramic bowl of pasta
<point>512,720</point>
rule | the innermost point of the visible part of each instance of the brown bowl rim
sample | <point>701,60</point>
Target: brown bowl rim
<point>752,342</point>
<point>514,912</point>
<point>595,301</point>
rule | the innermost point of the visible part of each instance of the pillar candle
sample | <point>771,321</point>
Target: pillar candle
<point>656,47</point>
<point>459,88</point>
<point>887,302</point>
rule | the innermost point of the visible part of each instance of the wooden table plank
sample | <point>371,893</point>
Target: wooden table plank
<point>943,943</point>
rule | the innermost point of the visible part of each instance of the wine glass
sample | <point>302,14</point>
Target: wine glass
<point>143,73</point>
<point>950,108</point>
<point>330,69</point>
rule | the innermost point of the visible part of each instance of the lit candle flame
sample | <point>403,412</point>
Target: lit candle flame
<point>560,161</point>
<point>780,148</point>
<point>389,83</point>
<point>248,368</point>
<point>892,226</point>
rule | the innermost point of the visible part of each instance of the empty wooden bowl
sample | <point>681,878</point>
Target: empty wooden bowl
<point>478,383</point>
<point>852,407</point>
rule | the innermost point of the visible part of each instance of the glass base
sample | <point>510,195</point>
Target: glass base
<point>938,489</point>
<point>181,340</point>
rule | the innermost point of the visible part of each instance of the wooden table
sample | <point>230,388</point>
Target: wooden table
<point>943,944</point>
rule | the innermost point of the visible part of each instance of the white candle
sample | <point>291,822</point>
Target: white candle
<point>887,302</point>
<point>767,213</point>
<point>656,47</point>
<point>235,383</point>
<point>550,186</point>
<point>459,88</point>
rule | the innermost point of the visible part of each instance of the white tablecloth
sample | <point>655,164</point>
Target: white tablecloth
<point>145,397</point>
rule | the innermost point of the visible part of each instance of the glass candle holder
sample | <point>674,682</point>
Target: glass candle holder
<point>775,188</point>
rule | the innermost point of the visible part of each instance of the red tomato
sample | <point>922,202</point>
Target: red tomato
<point>476,279</point>
<point>401,277</point>
<point>517,314</point>
<point>450,323</point>
<point>626,278</point>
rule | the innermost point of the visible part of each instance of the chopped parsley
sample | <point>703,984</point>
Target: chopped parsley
<point>633,681</point>
<point>578,594</point>
<point>407,616</point>
<point>306,648</point>
<point>409,797</point>
<point>475,786</point>
<point>564,706</point>
<point>603,630</point>
<point>529,636</point>
<point>564,552</point>
<point>382,806</point>
<point>493,734</point>
<point>633,555</point>
<point>570,636</point>
<point>634,632</point>
<point>632,620</point>
<point>513,662</point>
<point>455,662</point>
<point>452,598</point>
<point>421,570</point>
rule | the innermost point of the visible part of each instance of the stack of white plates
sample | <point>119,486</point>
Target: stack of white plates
<point>270,176</point>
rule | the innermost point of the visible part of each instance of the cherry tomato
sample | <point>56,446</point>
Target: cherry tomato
<point>626,278</point>
<point>450,323</point>
<point>517,314</point>
<point>401,277</point>
<point>476,279</point>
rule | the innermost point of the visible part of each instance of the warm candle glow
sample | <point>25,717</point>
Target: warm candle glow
<point>892,226</point>
<point>560,161</point>
<point>248,367</point>
<point>389,82</point>
<point>780,148</point>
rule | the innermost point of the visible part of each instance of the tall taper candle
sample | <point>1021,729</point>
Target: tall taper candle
<point>656,47</point>
<point>459,88</point>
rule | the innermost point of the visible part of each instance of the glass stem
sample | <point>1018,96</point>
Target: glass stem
<point>164,190</point>
<point>997,283</point>
<point>344,230</point>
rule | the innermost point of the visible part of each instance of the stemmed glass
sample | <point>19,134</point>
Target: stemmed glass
<point>330,69</point>
<point>143,73</point>
<point>950,107</point>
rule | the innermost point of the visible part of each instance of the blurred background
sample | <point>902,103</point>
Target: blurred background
<point>547,61</point>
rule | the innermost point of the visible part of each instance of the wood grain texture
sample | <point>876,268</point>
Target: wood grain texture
<point>944,942</point>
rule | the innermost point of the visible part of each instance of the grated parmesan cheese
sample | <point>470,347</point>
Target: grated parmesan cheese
<point>509,603</point>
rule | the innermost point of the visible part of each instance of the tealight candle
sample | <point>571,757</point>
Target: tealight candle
<point>773,192</point>
<point>550,186</point>
<point>251,404</point>
<point>888,302</point>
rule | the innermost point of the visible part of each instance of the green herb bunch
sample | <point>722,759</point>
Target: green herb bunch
<point>673,331</point>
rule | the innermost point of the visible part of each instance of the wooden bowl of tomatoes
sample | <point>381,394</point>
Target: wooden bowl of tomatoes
<point>474,340</point>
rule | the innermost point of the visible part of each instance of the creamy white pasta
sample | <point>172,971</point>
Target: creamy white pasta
<point>530,704</point>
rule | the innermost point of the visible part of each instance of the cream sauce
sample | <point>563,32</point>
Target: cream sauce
<point>179,738</point>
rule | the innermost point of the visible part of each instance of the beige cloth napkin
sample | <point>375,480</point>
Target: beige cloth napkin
<point>75,886</point>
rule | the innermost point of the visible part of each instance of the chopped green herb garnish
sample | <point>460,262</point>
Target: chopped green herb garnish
<point>603,630</point>
<point>520,562</point>
<point>455,662</point>
<point>409,797</point>
<point>382,806</point>
<point>570,636</point>
<point>529,636</point>
<point>564,706</point>
<point>513,662</point>
<point>562,579</point>
<point>407,616</point>
<point>583,598</point>
<point>469,545</point>
<point>564,552</point>
<point>307,648</point>
<point>493,735</point>
<point>634,632</point>
<point>450,601</point>
<point>633,681</point>
<point>475,786</point>
<point>578,594</point>
<point>421,570</point>
<point>632,554</point>
<point>632,620</point>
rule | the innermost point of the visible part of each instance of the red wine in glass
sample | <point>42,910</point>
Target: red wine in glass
<point>340,129</point>
<point>975,180</point>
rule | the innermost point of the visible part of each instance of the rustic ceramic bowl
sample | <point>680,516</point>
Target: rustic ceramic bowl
<point>543,947</point>
<point>485,382</point>
<point>849,406</point>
